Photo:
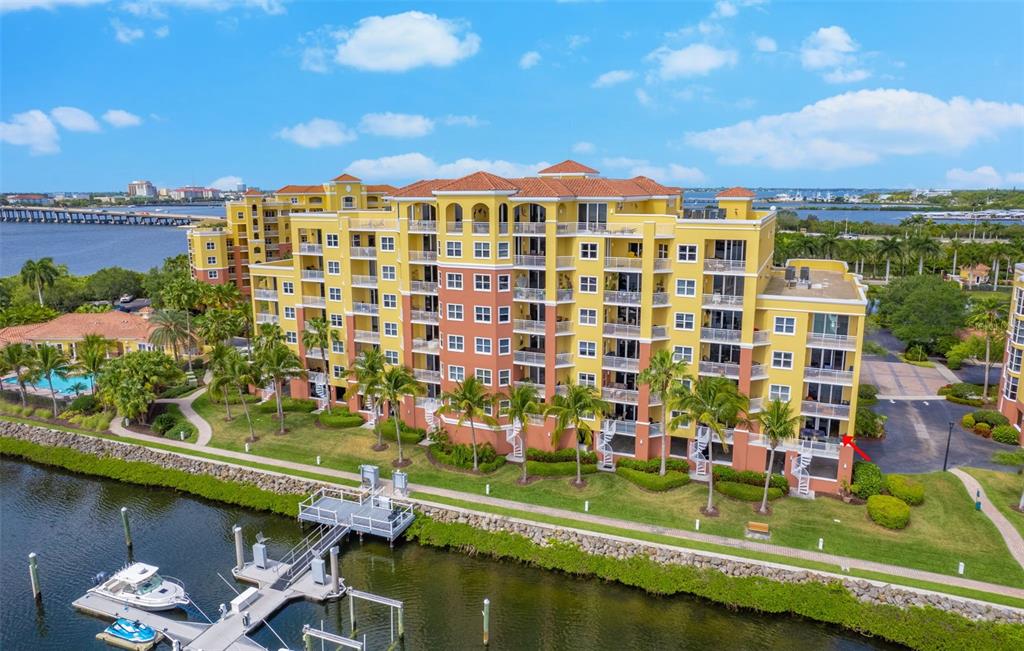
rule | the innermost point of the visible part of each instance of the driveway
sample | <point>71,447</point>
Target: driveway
<point>975,373</point>
<point>916,438</point>
<point>896,378</point>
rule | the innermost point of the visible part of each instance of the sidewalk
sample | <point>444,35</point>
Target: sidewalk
<point>680,534</point>
<point>204,431</point>
<point>1008,531</point>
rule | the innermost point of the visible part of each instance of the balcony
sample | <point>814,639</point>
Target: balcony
<point>425,316</point>
<point>316,377</point>
<point>623,427</point>
<point>623,264</point>
<point>586,228</point>
<point>453,228</point>
<point>265,294</point>
<point>703,213</point>
<point>423,257</point>
<point>316,353</point>
<point>363,253</point>
<point>530,261</point>
<point>621,330</point>
<point>311,249</point>
<point>529,228</point>
<point>722,301</point>
<point>756,406</point>
<point>314,301</point>
<point>527,326</point>
<point>530,358</point>
<point>720,335</point>
<point>481,228</point>
<point>426,346</point>
<point>627,396</point>
<point>266,317</point>
<point>622,298</point>
<point>373,224</point>
<point>726,369</point>
<point>422,226</point>
<point>539,388</point>
<point>662,265</point>
<point>616,363</point>
<point>365,308</point>
<point>425,375</point>
<point>828,376</point>
<point>824,409</point>
<point>659,299</point>
<point>422,287</point>
<point>528,293</point>
<point>364,281</point>
<point>366,337</point>
<point>313,275</point>
<point>826,340</point>
<point>761,337</point>
<point>725,266</point>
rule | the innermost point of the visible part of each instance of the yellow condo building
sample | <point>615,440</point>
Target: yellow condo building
<point>1011,400</point>
<point>563,277</point>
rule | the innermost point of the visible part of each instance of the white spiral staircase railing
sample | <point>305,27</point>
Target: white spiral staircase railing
<point>604,446</point>
<point>513,435</point>
<point>800,465</point>
<point>702,443</point>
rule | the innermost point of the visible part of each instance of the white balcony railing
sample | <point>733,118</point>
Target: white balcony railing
<point>615,264</point>
<point>365,308</point>
<point>662,264</point>
<point>481,228</point>
<point>826,340</point>
<point>426,346</point>
<point>373,224</point>
<point>824,409</point>
<point>529,358</point>
<point>423,256</point>
<point>530,327</point>
<point>659,298</point>
<point>628,396</point>
<point>364,281</point>
<point>623,427</point>
<point>265,294</point>
<point>539,388</point>
<point>314,301</point>
<point>363,252</point>
<point>367,336</point>
<point>266,317</point>
<point>316,353</point>
<point>311,249</point>
<point>724,266</point>
<point>621,329</point>
<point>528,294</point>
<point>530,261</point>
<point>313,274</point>
<point>756,406</point>
<point>622,298</point>
<point>453,228</point>
<point>529,228</point>
<point>316,377</point>
<point>828,375</point>
<point>422,226</point>
<point>727,369</point>
<point>713,301</point>
<point>425,375</point>
<point>616,363</point>
<point>422,287</point>
<point>425,316</point>
<point>720,334</point>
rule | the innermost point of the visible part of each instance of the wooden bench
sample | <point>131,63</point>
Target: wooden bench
<point>759,529</point>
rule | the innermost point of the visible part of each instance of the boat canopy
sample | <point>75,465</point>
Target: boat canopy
<point>136,573</point>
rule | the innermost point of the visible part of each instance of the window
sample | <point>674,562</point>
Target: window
<point>484,376</point>
<point>391,357</point>
<point>482,345</point>
<point>338,371</point>
<point>481,249</point>
<point>390,329</point>
<point>291,337</point>
<point>684,320</point>
<point>288,287</point>
<point>588,349</point>
<point>337,320</point>
<point>482,282</point>
<point>588,251</point>
<point>289,312</point>
<point>390,300</point>
<point>504,377</point>
<point>387,243</point>
<point>456,343</point>
<point>686,287</point>
<point>504,314</point>
<point>387,272</point>
<point>211,259</point>
<point>331,240</point>
<point>588,316</point>
<point>785,325</point>
<point>686,253</point>
<point>333,267</point>
<point>455,312</point>
<point>338,346</point>
<point>592,213</point>
<point>295,200</point>
<point>210,246</point>
<point>588,284</point>
<point>1010,387</point>
<point>782,360</point>
<point>502,250</point>
<point>348,203</point>
<point>504,283</point>
<point>334,293</point>
<point>456,373</point>
<point>482,314</point>
<point>212,274</point>
<point>778,392</point>
<point>453,281</point>
<point>453,249</point>
<point>587,379</point>
<point>504,346</point>
<point>683,354</point>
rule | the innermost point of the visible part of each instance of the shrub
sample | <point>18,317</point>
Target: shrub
<point>558,468</point>
<point>460,455</point>
<point>909,490</point>
<point>970,402</point>
<point>42,413</point>
<point>983,429</point>
<point>749,477</point>
<point>869,424</point>
<point>867,394</point>
<point>746,492</point>
<point>27,411</point>
<point>164,422</point>
<point>565,454</point>
<point>180,390</point>
<point>1006,434</point>
<point>967,421</point>
<point>85,404</point>
<point>653,481</point>
<point>867,480</point>
<point>916,354</point>
<point>340,418</point>
<point>990,417</point>
<point>410,435</point>
<point>654,465</point>
<point>182,429</point>
<point>98,422</point>
<point>288,404</point>
<point>888,511</point>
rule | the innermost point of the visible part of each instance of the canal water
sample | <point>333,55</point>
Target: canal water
<point>73,523</point>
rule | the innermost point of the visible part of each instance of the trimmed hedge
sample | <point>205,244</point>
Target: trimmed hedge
<point>340,418</point>
<point>558,468</point>
<point>460,455</point>
<point>867,395</point>
<point>888,511</point>
<point>410,435</point>
<point>164,422</point>
<point>983,429</point>
<point>288,404</point>
<point>181,390</point>
<point>746,492</point>
<point>990,417</point>
<point>967,422</point>
<point>749,477</point>
<point>565,454</point>
<point>867,480</point>
<point>1007,434</point>
<point>653,481</point>
<point>85,404</point>
<point>654,465</point>
<point>909,490</point>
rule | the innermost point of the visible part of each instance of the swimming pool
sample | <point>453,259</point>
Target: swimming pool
<point>60,385</point>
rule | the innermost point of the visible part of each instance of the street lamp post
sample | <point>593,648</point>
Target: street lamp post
<point>945,459</point>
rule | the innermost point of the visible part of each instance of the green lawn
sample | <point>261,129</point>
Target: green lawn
<point>943,531</point>
<point>1003,489</point>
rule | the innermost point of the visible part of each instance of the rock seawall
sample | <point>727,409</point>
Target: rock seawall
<point>539,533</point>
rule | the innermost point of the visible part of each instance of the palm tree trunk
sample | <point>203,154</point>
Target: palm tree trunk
<point>174,347</point>
<point>995,277</point>
<point>227,407</point>
<point>472,433</point>
<point>988,364</point>
<point>887,264</point>
<point>188,341</point>
<point>39,291</point>
<point>24,392</point>
<point>952,272</point>
<point>398,433</point>
<point>376,423</point>
<point>711,480</point>
<point>53,394</point>
<point>920,264</point>
<point>522,426</point>
<point>768,479</point>
<point>278,387</point>
<point>248,419</point>
<point>664,440</point>
<point>579,472</point>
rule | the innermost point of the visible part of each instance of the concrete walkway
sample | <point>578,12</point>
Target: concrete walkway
<point>682,535</point>
<point>1006,529</point>
<point>204,432</point>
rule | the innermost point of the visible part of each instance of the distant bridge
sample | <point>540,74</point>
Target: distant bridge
<point>50,215</point>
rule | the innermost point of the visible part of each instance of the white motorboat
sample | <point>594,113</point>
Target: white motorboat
<point>139,585</point>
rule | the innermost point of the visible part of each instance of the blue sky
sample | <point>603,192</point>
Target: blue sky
<point>913,94</point>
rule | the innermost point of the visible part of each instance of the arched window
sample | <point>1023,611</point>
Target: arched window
<point>348,203</point>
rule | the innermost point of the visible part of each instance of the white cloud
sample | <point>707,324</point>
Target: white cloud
<point>622,161</point>
<point>412,166</point>
<point>405,41</point>
<point>671,173</point>
<point>643,97</point>
<point>225,183</point>
<point>162,32</point>
<point>396,125</point>
<point>32,129</point>
<point>860,128</point>
<point>983,177</point>
<point>840,76</point>
<point>576,41</point>
<point>125,34</point>
<point>765,44</point>
<point>470,121</point>
<point>613,77</point>
<point>318,132</point>
<point>120,118</point>
<point>74,119</point>
<point>157,8</point>
<point>23,5</point>
<point>724,9</point>
<point>316,59</point>
<point>584,147</point>
<point>692,61</point>
<point>833,50</point>
<point>529,59</point>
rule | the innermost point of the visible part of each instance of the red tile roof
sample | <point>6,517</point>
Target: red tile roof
<point>301,189</point>
<point>568,167</point>
<point>113,325</point>
<point>16,334</point>
<point>252,193</point>
<point>735,193</point>
<point>382,187</point>
<point>424,188</point>
<point>478,181</point>
<point>347,177</point>
<point>538,186</point>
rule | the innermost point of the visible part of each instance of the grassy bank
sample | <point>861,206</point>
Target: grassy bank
<point>1003,490</point>
<point>919,628</point>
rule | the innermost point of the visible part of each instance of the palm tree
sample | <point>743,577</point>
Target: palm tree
<point>711,402</point>
<point>183,296</point>
<point>777,424</point>
<point>395,383</point>
<point>368,370</point>
<point>278,364</point>
<point>222,380</point>
<point>522,403</point>
<point>78,387</point>
<point>91,361</point>
<point>170,329</point>
<point>50,362</point>
<point>662,371</point>
<point>217,325</point>
<point>889,248</point>
<point>826,244</point>
<point>317,333</point>
<point>18,358</point>
<point>579,404</point>
<point>469,399</point>
<point>244,372</point>
<point>95,342</point>
<point>923,246</point>
<point>38,274</point>
<point>267,335</point>
<point>988,314</point>
<point>858,250</point>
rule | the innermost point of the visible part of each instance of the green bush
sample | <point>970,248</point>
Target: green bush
<point>909,490</point>
<point>288,404</point>
<point>181,390</point>
<point>990,417</point>
<point>963,393</point>
<point>867,394</point>
<point>653,481</point>
<point>916,354</point>
<point>98,422</point>
<point>181,430</point>
<point>969,402</point>
<point>749,477</point>
<point>565,454</point>
<point>164,422</point>
<point>460,455</point>
<point>888,511</point>
<point>983,429</point>
<point>27,411</point>
<point>558,468</point>
<point>967,421</point>
<point>410,435</point>
<point>654,465</point>
<point>746,492</point>
<point>85,404</point>
<point>867,480</point>
<point>1007,434</point>
<point>340,418</point>
<point>43,413</point>
<point>869,424</point>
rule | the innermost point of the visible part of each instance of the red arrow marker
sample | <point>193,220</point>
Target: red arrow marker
<point>848,440</point>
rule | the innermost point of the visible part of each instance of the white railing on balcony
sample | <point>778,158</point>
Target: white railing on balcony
<point>425,316</point>
<point>534,261</point>
<point>719,266</point>
<point>659,332</point>
<point>758,372</point>
<point>662,264</point>
<point>565,262</point>
<point>756,406</point>
<point>719,368</point>
<point>621,329</point>
<point>599,229</point>
<point>365,252</point>
<point>481,228</point>
<point>628,396</point>
<point>622,298</point>
<point>425,375</point>
<point>373,224</point>
<point>617,363</point>
<point>623,427</point>
<point>453,228</point>
<point>312,274</point>
<point>614,264</point>
<point>563,295</point>
<point>529,357</point>
<point>364,281</point>
<point>314,301</point>
<point>266,317</point>
<point>827,410</point>
<point>529,326</point>
<point>422,226</point>
<point>316,377</point>
<point>316,353</point>
<point>721,300</point>
<point>423,256</point>
<point>265,294</point>
<point>529,228</point>
<point>365,308</point>
<point>423,287</point>
<point>563,359</point>
<point>426,346</point>
<point>659,298</point>
<point>528,293</point>
<point>539,388</point>
<point>720,334</point>
<point>828,375</point>
<point>367,336</point>
<point>826,340</point>
<point>311,249</point>
<point>761,337</point>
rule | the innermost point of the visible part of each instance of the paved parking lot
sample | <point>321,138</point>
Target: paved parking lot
<point>896,378</point>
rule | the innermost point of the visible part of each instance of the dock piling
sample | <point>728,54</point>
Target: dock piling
<point>239,548</point>
<point>487,622</point>
<point>33,573</point>
<point>334,570</point>
<point>352,614</point>
<point>401,622</point>
<point>127,527</point>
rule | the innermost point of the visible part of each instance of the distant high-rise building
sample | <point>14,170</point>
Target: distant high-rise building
<point>141,189</point>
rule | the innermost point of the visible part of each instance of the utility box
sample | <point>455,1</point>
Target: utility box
<point>371,476</point>
<point>316,566</point>
<point>259,555</point>
<point>401,483</point>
